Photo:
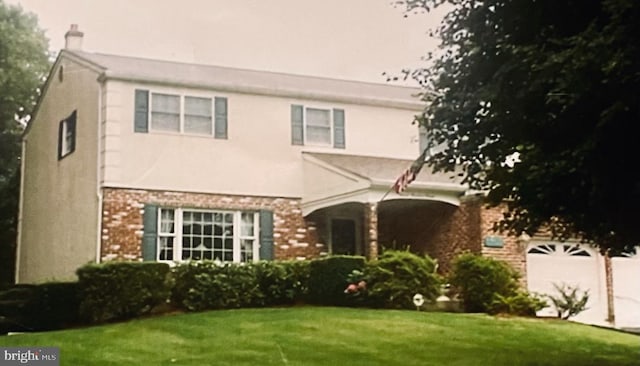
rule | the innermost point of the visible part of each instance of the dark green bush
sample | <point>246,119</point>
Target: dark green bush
<point>282,283</point>
<point>328,279</point>
<point>521,303</point>
<point>121,290</point>
<point>393,280</point>
<point>208,285</point>
<point>47,306</point>
<point>479,279</point>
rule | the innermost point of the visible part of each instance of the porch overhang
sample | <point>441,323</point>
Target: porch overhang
<point>331,180</point>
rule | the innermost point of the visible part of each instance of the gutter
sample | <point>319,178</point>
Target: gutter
<point>98,176</point>
<point>20,210</point>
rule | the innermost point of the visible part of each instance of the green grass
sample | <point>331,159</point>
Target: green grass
<point>337,336</point>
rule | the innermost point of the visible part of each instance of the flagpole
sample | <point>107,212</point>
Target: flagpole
<point>386,194</point>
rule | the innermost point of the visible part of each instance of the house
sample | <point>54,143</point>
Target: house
<point>139,159</point>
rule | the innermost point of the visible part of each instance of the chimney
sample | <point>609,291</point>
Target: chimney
<point>73,38</point>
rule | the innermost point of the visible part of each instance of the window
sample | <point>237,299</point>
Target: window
<point>317,126</point>
<point>228,236</point>
<point>423,138</point>
<point>180,114</point>
<point>67,136</point>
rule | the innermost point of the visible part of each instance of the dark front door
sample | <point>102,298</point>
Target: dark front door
<point>343,236</point>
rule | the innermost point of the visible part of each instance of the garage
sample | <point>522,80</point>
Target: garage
<point>550,263</point>
<point>626,290</point>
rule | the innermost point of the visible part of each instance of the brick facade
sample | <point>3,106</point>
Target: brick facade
<point>294,237</point>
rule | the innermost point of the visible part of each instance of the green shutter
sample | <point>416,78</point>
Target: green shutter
<point>149,238</point>
<point>338,129</point>
<point>220,130</point>
<point>297,127</point>
<point>266,235</point>
<point>60,137</point>
<point>141,118</point>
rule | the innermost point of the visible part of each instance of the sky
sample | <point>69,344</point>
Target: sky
<point>345,39</point>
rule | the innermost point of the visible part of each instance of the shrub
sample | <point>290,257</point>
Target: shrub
<point>393,280</point>
<point>121,290</point>
<point>282,283</point>
<point>569,303</point>
<point>479,279</point>
<point>208,285</point>
<point>328,279</point>
<point>521,303</point>
<point>47,306</point>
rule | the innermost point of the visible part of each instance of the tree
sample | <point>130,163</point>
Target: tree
<point>538,102</point>
<point>24,62</point>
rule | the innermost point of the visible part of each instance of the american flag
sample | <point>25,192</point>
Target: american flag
<point>410,174</point>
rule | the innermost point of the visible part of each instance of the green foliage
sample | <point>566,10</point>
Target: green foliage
<point>569,302</point>
<point>46,306</point>
<point>521,303</point>
<point>121,290</point>
<point>209,285</point>
<point>393,280</point>
<point>282,282</point>
<point>23,66</point>
<point>328,278</point>
<point>552,87</point>
<point>480,279</point>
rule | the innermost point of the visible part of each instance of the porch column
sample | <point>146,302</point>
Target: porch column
<point>371,229</point>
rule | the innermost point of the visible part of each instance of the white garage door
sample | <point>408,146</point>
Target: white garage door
<point>573,265</point>
<point>626,290</point>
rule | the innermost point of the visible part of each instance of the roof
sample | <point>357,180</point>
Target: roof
<point>249,81</point>
<point>382,169</point>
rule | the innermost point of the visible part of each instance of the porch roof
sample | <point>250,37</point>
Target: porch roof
<point>332,179</point>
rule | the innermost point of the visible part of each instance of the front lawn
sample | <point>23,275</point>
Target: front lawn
<point>337,336</point>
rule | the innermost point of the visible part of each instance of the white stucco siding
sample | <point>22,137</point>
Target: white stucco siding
<point>256,159</point>
<point>59,205</point>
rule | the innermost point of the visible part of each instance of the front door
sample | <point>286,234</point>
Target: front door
<point>343,236</point>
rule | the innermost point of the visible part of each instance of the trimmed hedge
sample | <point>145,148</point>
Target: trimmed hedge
<point>328,279</point>
<point>282,283</point>
<point>121,290</point>
<point>479,280</point>
<point>47,306</point>
<point>208,285</point>
<point>393,280</point>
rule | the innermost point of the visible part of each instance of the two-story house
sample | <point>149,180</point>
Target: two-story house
<point>137,159</point>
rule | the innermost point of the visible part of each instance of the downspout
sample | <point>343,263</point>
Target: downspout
<point>98,176</point>
<point>20,210</point>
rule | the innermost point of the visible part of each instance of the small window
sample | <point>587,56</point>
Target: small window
<point>423,138</point>
<point>67,136</point>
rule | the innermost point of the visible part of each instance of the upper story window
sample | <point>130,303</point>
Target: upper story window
<point>423,138</point>
<point>180,114</point>
<point>317,126</point>
<point>67,136</point>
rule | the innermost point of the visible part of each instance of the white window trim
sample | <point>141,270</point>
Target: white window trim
<point>182,96</point>
<point>304,125</point>
<point>237,233</point>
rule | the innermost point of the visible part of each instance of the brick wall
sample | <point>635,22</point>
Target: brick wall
<point>294,237</point>
<point>511,252</point>
<point>460,232</point>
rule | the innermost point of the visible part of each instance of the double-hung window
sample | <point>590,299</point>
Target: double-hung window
<point>227,236</point>
<point>317,126</point>
<point>195,115</point>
